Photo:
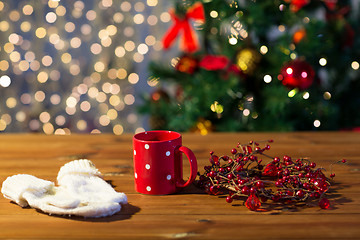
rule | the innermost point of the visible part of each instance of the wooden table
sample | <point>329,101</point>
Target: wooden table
<point>189,214</point>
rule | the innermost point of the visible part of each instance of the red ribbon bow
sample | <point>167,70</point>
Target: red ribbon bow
<point>189,41</point>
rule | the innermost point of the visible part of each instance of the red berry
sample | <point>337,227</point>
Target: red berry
<point>276,159</point>
<point>213,174</point>
<point>212,152</point>
<point>300,193</point>
<point>323,189</point>
<point>278,184</point>
<point>230,176</point>
<point>233,151</point>
<point>324,203</point>
<point>252,190</point>
<point>229,199</point>
<point>259,184</point>
<point>239,168</point>
<point>344,160</point>
<point>242,181</point>
<point>332,175</point>
<point>306,185</point>
<point>312,165</point>
<point>245,190</point>
<point>214,159</point>
<point>286,158</point>
<point>214,190</point>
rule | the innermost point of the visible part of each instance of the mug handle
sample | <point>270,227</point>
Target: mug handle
<point>193,167</point>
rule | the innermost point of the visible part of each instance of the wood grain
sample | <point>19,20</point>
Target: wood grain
<point>190,214</point>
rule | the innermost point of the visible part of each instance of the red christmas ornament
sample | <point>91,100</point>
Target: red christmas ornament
<point>253,203</point>
<point>296,5</point>
<point>186,64</point>
<point>189,42</point>
<point>213,63</point>
<point>297,74</point>
<point>331,4</point>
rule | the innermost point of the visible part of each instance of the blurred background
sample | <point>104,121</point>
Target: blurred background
<point>117,66</point>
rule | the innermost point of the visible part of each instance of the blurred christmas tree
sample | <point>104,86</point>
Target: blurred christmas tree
<point>259,65</point>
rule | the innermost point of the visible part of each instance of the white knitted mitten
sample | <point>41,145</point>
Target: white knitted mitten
<point>81,191</point>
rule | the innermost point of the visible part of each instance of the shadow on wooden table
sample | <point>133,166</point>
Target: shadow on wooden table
<point>191,189</point>
<point>126,212</point>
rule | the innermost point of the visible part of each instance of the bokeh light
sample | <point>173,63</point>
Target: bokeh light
<point>74,66</point>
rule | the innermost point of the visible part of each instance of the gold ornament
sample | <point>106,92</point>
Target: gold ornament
<point>247,60</point>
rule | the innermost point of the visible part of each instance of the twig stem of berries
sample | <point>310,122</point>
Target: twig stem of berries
<point>243,174</point>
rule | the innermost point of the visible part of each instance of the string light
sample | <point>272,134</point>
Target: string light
<point>355,65</point>
<point>323,61</point>
<point>317,123</point>
<point>292,93</point>
<point>267,78</point>
<point>327,95</point>
<point>306,95</point>
<point>246,112</point>
<point>214,14</point>
<point>5,81</point>
<point>233,41</point>
<point>152,3</point>
<point>217,108</point>
<point>281,28</point>
<point>263,49</point>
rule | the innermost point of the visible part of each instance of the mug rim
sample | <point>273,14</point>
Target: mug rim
<point>136,136</point>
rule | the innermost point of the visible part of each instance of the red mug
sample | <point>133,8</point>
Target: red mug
<point>158,167</point>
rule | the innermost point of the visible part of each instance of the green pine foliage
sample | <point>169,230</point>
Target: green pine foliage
<point>243,101</point>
